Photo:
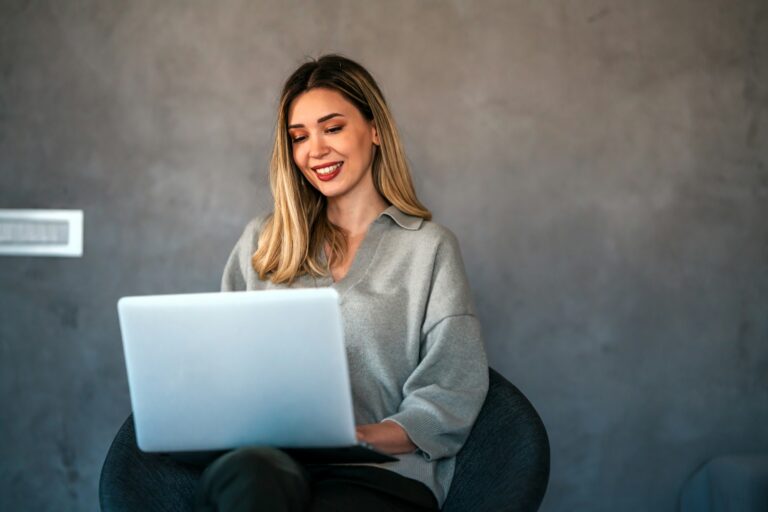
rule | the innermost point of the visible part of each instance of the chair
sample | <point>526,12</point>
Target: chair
<point>503,466</point>
<point>728,482</point>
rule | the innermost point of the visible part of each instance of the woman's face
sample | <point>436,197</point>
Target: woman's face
<point>332,142</point>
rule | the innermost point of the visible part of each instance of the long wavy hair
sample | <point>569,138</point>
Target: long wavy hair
<point>293,236</point>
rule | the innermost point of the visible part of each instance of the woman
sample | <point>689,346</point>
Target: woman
<point>346,215</point>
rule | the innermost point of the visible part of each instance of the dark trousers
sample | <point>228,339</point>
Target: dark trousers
<point>251,479</point>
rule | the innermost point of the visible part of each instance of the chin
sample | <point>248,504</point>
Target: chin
<point>332,189</point>
<point>332,193</point>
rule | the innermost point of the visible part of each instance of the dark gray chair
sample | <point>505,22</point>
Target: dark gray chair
<point>503,466</point>
<point>728,482</point>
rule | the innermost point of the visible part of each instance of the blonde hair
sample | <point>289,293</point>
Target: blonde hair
<point>293,236</point>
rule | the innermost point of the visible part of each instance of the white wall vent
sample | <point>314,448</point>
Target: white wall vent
<point>41,233</point>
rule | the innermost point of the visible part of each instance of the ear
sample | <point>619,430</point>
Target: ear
<point>375,134</point>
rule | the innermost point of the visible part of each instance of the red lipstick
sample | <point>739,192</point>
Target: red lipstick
<point>329,176</point>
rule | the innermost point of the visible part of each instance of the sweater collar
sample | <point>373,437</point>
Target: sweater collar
<point>403,220</point>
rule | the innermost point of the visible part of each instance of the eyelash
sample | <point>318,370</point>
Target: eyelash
<point>299,139</point>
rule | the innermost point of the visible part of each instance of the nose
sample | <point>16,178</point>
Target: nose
<point>317,147</point>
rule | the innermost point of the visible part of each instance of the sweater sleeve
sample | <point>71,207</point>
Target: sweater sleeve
<point>444,394</point>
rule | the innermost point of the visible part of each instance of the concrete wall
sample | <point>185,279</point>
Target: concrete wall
<point>602,163</point>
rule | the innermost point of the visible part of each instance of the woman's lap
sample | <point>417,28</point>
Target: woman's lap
<point>268,479</point>
<point>134,480</point>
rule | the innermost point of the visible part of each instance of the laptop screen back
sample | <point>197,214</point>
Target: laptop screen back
<point>214,371</point>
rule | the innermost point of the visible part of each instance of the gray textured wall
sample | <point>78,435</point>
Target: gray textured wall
<point>602,163</point>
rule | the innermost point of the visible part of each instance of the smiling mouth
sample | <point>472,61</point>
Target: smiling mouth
<point>329,172</point>
<point>327,169</point>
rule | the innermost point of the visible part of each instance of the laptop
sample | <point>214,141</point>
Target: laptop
<point>210,372</point>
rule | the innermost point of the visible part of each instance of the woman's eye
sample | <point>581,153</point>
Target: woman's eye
<point>333,129</point>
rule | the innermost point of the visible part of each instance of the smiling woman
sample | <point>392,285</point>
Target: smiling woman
<point>346,216</point>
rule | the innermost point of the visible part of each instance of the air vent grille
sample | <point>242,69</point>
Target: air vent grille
<point>41,232</point>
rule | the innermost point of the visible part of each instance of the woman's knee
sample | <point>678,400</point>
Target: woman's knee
<point>257,462</point>
<point>258,475</point>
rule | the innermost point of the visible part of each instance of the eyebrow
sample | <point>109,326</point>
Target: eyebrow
<point>321,120</point>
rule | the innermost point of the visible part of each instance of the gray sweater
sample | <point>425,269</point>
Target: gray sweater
<point>414,345</point>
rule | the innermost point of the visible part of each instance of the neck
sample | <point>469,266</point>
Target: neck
<point>355,215</point>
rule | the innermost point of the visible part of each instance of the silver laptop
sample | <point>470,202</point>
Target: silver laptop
<point>209,372</point>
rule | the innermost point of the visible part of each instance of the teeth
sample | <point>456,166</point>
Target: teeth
<point>328,170</point>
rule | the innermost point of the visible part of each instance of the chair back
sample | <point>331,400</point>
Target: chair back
<point>504,465</point>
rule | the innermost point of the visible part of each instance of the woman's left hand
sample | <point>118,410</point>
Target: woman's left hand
<point>387,437</point>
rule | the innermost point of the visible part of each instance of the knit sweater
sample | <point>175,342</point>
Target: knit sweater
<point>414,346</point>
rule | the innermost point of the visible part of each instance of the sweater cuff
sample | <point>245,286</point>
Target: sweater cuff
<point>423,431</point>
